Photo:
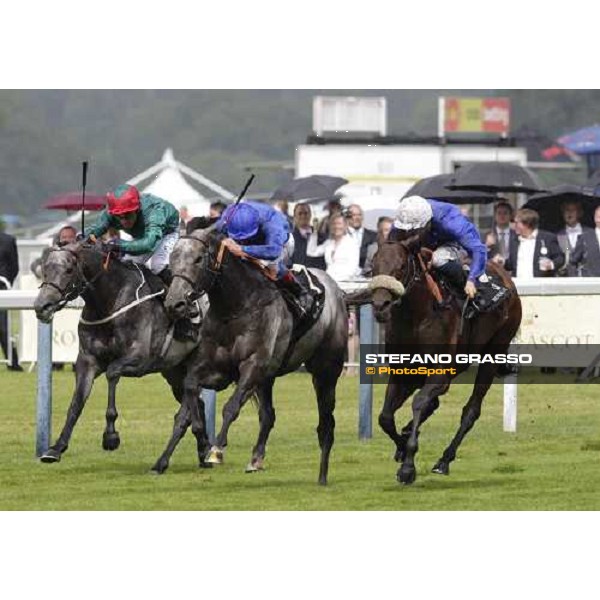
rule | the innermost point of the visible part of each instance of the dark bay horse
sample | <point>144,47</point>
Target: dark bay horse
<point>124,331</point>
<point>403,300</point>
<point>246,337</point>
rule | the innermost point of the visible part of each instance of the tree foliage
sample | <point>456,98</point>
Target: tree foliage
<point>45,134</point>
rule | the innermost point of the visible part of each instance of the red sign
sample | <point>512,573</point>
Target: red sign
<point>479,115</point>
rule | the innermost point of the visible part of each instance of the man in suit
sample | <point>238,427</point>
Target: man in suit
<point>535,253</point>
<point>572,212</point>
<point>9,269</point>
<point>66,235</point>
<point>301,232</point>
<point>499,239</point>
<point>363,237</point>
<point>585,257</point>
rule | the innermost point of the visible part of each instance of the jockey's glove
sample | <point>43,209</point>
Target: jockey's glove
<point>113,247</point>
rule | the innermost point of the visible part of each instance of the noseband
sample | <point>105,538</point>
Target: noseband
<point>214,270</point>
<point>411,276</point>
<point>74,288</point>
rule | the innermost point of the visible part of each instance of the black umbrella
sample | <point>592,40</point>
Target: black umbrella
<point>496,177</point>
<point>548,205</point>
<point>315,187</point>
<point>435,187</point>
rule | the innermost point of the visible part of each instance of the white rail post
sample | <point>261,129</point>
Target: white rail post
<point>510,403</point>
<point>365,402</point>
<point>44,388</point>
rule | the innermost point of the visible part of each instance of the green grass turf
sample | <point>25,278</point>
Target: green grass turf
<point>552,463</point>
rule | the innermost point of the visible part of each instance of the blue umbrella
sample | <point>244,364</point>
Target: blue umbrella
<point>582,141</point>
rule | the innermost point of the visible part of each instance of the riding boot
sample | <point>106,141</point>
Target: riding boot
<point>456,278</point>
<point>301,298</point>
<point>453,273</point>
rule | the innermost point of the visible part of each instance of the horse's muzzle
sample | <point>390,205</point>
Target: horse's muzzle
<point>46,312</point>
<point>45,306</point>
<point>382,310</point>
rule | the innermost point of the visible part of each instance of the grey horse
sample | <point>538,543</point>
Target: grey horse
<point>124,332</point>
<point>248,338</point>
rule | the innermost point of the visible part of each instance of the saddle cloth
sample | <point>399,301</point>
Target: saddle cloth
<point>317,290</point>
<point>490,296</point>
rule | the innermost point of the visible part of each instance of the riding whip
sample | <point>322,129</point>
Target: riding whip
<point>239,198</point>
<point>84,181</point>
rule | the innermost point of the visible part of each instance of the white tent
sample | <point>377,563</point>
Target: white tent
<point>166,180</point>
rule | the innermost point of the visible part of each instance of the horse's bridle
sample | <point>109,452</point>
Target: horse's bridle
<point>214,271</point>
<point>412,274</point>
<point>74,288</point>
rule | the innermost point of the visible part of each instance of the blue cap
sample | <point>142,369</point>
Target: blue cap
<point>242,221</point>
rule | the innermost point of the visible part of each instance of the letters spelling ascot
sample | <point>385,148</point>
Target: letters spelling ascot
<point>447,359</point>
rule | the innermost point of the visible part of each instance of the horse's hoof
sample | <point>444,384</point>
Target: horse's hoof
<point>205,465</point>
<point>215,456</point>
<point>256,464</point>
<point>406,476</point>
<point>159,468</point>
<point>441,468</point>
<point>111,441</point>
<point>50,456</point>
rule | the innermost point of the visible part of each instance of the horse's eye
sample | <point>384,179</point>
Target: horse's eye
<point>69,270</point>
<point>198,260</point>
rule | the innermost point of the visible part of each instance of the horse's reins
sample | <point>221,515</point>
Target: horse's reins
<point>188,280</point>
<point>67,295</point>
<point>127,307</point>
<point>431,284</point>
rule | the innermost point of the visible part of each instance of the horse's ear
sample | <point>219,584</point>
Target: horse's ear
<point>411,240</point>
<point>73,247</point>
<point>200,223</point>
<point>395,235</point>
<point>412,243</point>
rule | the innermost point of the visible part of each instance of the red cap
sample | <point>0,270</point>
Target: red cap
<point>125,199</point>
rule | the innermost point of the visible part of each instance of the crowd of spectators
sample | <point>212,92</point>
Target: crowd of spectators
<point>340,244</point>
<point>517,242</point>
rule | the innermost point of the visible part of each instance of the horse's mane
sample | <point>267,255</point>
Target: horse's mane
<point>214,237</point>
<point>411,240</point>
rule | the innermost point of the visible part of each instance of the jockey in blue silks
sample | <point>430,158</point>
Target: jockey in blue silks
<point>442,226</point>
<point>259,230</point>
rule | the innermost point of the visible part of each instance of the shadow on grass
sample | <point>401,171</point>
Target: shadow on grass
<point>443,483</point>
<point>591,446</point>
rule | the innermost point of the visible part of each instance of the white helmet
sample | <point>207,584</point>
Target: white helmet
<point>414,212</point>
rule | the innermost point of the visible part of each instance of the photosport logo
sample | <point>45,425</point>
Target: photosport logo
<point>546,363</point>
